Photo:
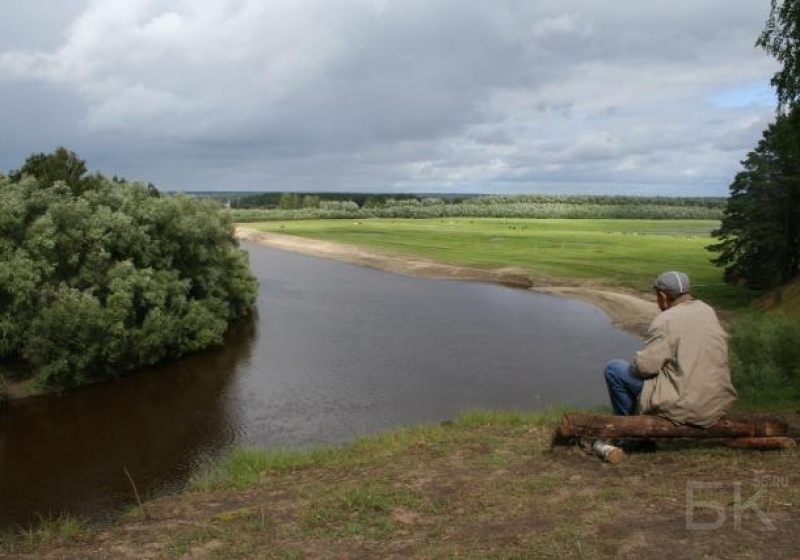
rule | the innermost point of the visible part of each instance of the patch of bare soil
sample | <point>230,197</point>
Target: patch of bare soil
<point>626,311</point>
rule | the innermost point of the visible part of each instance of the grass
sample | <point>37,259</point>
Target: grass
<point>430,492</point>
<point>186,541</point>
<point>615,253</point>
<point>365,510</point>
<point>244,467</point>
<point>785,300</point>
<point>765,360</point>
<point>48,532</point>
<point>440,491</point>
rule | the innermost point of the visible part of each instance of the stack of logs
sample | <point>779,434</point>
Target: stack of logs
<point>749,433</point>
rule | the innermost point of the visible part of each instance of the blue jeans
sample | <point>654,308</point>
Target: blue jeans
<point>624,386</point>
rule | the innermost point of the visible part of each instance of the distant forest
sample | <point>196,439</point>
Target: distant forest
<point>249,207</point>
<point>292,200</point>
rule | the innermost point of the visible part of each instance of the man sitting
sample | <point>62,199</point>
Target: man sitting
<point>682,372</point>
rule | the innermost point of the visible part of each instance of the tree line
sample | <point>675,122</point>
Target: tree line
<point>522,206</point>
<point>294,200</point>
<point>102,276</point>
<point>759,237</point>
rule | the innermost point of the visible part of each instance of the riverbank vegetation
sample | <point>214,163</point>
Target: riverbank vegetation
<point>102,276</point>
<point>765,360</point>
<point>292,206</point>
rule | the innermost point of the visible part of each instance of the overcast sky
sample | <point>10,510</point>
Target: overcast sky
<point>506,96</point>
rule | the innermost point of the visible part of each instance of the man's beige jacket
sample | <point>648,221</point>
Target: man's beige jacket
<point>684,364</point>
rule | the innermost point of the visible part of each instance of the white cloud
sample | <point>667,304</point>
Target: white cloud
<point>391,94</point>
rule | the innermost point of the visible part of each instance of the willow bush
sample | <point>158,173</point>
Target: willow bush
<point>100,277</point>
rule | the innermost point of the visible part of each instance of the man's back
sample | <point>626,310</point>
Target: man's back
<point>687,355</point>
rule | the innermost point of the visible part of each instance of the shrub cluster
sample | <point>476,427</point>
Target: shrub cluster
<point>101,276</point>
<point>765,358</point>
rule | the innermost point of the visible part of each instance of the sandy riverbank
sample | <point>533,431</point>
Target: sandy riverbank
<point>627,311</point>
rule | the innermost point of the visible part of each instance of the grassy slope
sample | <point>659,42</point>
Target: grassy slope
<point>785,300</point>
<point>485,485</point>
<point>614,253</point>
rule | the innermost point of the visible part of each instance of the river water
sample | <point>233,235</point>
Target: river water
<point>335,351</point>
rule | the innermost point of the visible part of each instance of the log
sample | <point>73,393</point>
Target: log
<point>762,443</point>
<point>654,427</point>
<point>608,453</point>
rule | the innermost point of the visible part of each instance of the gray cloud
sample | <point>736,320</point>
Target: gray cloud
<point>446,95</point>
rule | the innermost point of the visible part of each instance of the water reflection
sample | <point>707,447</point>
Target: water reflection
<point>68,453</point>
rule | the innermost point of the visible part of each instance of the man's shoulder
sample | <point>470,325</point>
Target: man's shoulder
<point>693,310</point>
<point>698,306</point>
<point>688,310</point>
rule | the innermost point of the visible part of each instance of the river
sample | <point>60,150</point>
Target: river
<point>335,351</point>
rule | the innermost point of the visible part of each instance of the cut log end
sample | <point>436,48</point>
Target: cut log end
<point>608,453</point>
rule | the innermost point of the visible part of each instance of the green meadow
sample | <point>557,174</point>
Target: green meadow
<point>625,254</point>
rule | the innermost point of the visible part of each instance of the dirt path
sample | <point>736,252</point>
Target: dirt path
<point>627,311</point>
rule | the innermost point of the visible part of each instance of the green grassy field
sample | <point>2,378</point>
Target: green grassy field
<point>614,253</point>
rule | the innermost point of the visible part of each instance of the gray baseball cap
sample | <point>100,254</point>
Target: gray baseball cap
<point>674,283</point>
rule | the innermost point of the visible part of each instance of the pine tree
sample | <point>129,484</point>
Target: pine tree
<point>760,231</point>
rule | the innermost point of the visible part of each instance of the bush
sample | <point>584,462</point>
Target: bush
<point>765,359</point>
<point>102,276</point>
